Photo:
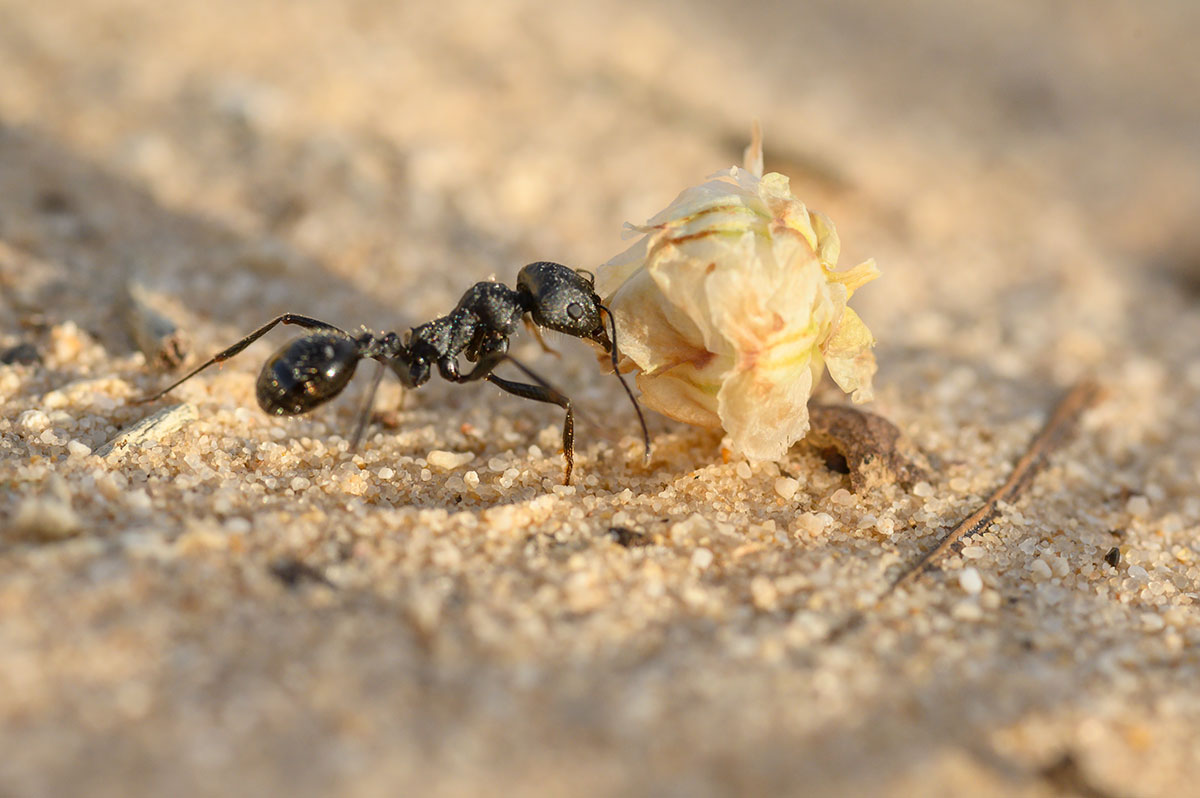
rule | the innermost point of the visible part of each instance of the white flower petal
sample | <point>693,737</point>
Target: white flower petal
<point>730,306</point>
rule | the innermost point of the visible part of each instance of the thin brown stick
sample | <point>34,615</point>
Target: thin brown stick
<point>1057,431</point>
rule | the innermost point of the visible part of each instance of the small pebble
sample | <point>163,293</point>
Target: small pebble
<point>812,523</point>
<point>966,610</point>
<point>972,552</point>
<point>843,497</point>
<point>743,470</point>
<point>1138,506</point>
<point>77,449</point>
<point>45,519</point>
<point>763,593</point>
<point>786,487</point>
<point>33,420</point>
<point>922,489</point>
<point>1041,569</point>
<point>702,558</point>
<point>446,461</point>
<point>1113,557</point>
<point>970,581</point>
<point>25,354</point>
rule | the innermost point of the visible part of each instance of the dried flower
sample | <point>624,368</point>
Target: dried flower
<point>729,306</point>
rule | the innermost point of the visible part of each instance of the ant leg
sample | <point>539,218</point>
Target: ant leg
<point>544,393</point>
<point>287,318</point>
<point>364,413</point>
<point>612,320</point>
<point>491,354</point>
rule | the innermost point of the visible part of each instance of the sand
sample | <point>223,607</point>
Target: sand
<point>228,603</point>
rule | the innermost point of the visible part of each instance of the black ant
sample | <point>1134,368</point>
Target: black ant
<point>312,370</point>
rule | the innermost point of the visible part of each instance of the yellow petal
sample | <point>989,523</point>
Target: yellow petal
<point>848,356</point>
<point>829,246</point>
<point>752,158</point>
<point>856,276</point>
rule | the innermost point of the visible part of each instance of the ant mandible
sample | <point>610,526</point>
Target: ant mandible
<point>311,370</point>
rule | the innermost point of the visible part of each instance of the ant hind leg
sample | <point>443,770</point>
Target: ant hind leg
<point>364,412</point>
<point>544,393</point>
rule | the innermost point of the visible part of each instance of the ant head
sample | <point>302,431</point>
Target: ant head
<point>305,373</point>
<point>563,300</point>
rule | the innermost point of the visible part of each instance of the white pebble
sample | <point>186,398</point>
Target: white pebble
<point>812,523</point>
<point>922,489</point>
<point>743,470</point>
<point>471,480</point>
<point>972,552</point>
<point>966,610</point>
<point>447,460</point>
<point>843,497</point>
<point>33,420</point>
<point>1138,506</point>
<point>702,558</point>
<point>55,400</point>
<point>1153,622</point>
<point>1041,569</point>
<point>786,487</point>
<point>970,581</point>
<point>78,449</point>
<point>46,519</point>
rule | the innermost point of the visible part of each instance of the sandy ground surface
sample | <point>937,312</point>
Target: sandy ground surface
<point>243,607</point>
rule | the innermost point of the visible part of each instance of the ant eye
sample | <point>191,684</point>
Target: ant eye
<point>575,311</point>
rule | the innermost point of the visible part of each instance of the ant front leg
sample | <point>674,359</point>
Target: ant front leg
<point>544,393</point>
<point>287,318</point>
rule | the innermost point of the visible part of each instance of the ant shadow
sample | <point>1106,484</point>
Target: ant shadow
<point>90,230</point>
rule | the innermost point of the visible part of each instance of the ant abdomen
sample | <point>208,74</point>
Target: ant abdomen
<point>306,373</point>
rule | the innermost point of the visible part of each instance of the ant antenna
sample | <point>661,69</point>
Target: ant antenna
<point>612,322</point>
<point>364,412</point>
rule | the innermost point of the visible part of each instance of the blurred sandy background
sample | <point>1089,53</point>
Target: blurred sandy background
<point>1027,176</point>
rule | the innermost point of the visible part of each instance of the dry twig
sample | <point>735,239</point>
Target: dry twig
<point>1057,431</point>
